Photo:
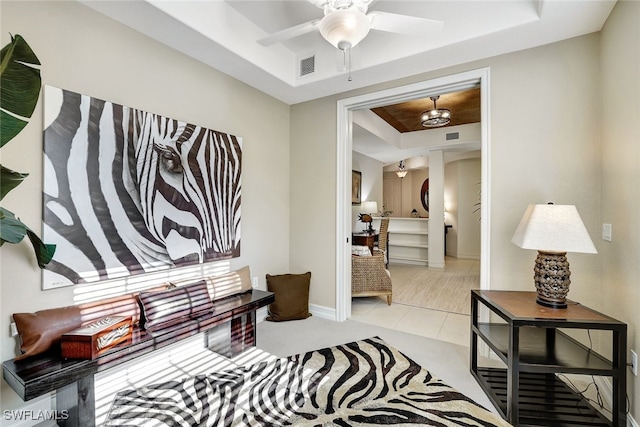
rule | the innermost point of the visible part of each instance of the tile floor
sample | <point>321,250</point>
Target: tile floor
<point>440,325</point>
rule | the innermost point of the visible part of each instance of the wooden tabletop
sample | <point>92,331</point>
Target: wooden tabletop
<point>522,305</point>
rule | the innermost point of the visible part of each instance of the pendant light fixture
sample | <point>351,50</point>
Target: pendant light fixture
<point>401,172</point>
<point>435,117</point>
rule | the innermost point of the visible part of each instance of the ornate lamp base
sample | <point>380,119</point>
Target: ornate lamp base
<point>552,279</point>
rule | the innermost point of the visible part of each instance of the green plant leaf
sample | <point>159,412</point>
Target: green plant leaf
<point>12,230</point>
<point>9,180</point>
<point>10,127</point>
<point>19,87</point>
<point>19,92</point>
<point>44,252</point>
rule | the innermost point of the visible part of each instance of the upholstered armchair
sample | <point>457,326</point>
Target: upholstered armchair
<point>369,277</point>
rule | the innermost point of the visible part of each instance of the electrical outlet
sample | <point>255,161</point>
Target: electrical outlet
<point>255,282</point>
<point>634,363</point>
<point>14,329</point>
<point>606,232</point>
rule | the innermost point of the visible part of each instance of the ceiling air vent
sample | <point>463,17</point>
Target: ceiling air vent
<point>453,135</point>
<point>307,65</point>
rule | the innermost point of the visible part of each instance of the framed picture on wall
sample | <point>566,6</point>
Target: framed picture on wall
<point>129,192</point>
<point>356,187</point>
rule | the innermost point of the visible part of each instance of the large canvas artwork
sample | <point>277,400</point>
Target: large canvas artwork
<point>129,192</point>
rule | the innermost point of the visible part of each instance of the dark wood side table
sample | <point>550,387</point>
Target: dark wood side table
<point>364,239</point>
<point>526,337</point>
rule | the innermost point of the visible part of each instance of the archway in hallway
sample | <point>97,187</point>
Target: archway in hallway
<point>345,108</point>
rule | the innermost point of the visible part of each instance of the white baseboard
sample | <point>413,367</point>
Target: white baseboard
<point>606,393</point>
<point>261,314</point>
<point>316,310</point>
<point>323,312</point>
<point>393,260</point>
<point>468,256</point>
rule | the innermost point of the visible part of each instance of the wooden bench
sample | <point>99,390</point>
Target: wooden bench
<point>233,317</point>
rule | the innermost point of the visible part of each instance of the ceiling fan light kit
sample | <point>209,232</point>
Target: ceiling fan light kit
<point>346,23</point>
<point>435,117</point>
<point>345,28</point>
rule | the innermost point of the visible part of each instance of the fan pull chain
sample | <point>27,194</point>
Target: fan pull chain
<point>346,64</point>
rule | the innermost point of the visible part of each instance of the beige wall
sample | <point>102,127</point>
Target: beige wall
<point>417,178</point>
<point>621,174</point>
<point>535,157</point>
<point>546,145</point>
<point>85,52</point>
<point>371,170</point>
<point>468,218</point>
<point>461,193</point>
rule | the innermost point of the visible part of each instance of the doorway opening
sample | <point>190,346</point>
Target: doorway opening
<point>345,108</point>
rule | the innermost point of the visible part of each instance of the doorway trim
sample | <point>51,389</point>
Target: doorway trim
<point>423,89</point>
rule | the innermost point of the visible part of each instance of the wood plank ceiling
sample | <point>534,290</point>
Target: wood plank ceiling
<point>405,116</point>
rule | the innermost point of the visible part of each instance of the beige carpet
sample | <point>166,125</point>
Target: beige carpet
<point>437,290</point>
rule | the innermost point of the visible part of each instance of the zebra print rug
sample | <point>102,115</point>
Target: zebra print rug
<point>361,383</point>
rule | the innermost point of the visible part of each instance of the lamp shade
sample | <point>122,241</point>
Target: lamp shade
<point>345,28</point>
<point>369,207</point>
<point>553,228</point>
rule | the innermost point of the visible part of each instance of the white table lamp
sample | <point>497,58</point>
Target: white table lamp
<point>553,230</point>
<point>369,209</point>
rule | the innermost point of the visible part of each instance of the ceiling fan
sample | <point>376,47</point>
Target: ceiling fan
<point>346,23</point>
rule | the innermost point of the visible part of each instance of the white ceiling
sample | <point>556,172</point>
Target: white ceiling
<point>224,34</point>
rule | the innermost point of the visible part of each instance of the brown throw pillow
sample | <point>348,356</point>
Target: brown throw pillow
<point>291,296</point>
<point>173,304</point>
<point>42,330</point>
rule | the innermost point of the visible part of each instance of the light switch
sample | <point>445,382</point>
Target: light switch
<point>606,232</point>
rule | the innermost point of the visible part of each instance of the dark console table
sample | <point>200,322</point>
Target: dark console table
<point>73,380</point>
<point>365,238</point>
<point>525,336</point>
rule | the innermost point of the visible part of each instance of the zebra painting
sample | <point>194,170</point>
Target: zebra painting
<point>362,383</point>
<point>129,192</point>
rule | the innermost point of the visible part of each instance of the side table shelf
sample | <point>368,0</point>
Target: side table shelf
<point>528,391</point>
<point>540,348</point>
<point>544,400</point>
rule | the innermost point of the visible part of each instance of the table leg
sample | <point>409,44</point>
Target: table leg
<point>76,405</point>
<point>619,380</point>
<point>243,332</point>
<point>474,338</point>
<point>513,375</point>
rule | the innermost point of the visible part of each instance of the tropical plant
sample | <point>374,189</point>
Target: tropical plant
<point>19,92</point>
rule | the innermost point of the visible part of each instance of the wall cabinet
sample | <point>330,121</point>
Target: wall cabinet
<point>409,240</point>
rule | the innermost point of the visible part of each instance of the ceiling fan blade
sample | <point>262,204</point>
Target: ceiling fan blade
<point>403,24</point>
<point>289,33</point>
